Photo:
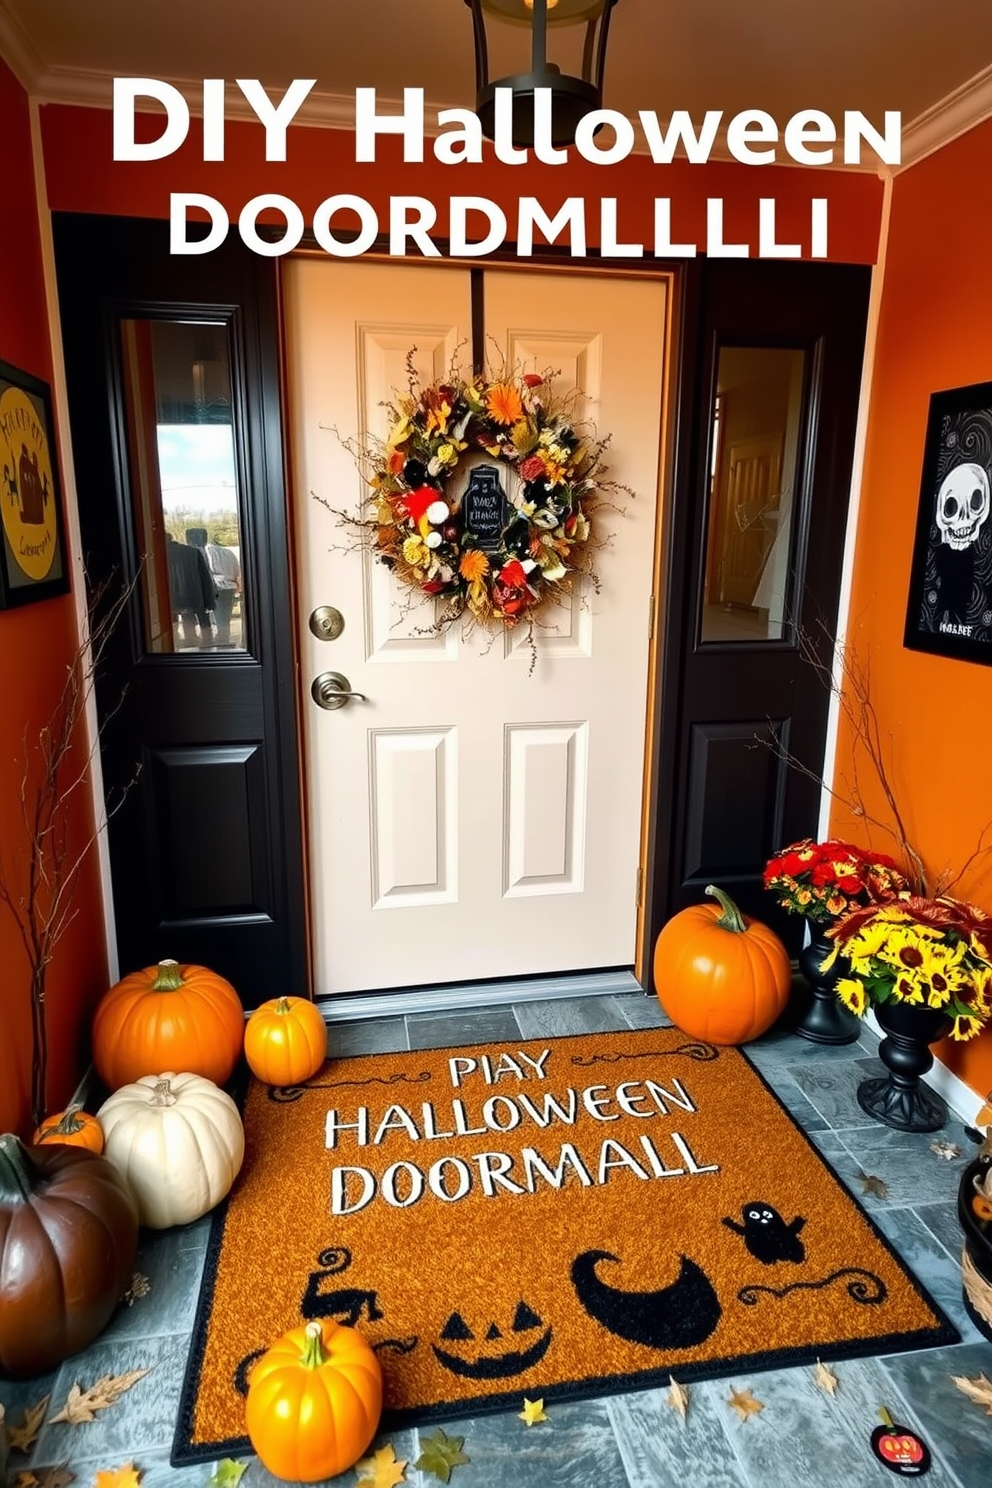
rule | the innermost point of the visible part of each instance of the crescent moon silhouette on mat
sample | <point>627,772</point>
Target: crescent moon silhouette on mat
<point>679,1316</point>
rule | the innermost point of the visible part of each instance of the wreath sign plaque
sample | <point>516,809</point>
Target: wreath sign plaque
<point>484,508</point>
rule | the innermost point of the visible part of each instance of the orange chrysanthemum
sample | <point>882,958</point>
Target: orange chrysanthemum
<point>473,565</point>
<point>504,403</point>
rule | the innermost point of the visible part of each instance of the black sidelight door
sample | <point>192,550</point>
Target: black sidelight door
<point>172,367</point>
<point>770,381</point>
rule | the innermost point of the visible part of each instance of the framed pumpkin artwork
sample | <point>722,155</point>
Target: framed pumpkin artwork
<point>950,589</point>
<point>33,559</point>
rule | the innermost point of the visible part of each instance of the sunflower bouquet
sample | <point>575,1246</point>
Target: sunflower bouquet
<point>933,953</point>
<point>823,880</point>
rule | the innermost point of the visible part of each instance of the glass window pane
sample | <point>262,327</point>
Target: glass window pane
<point>754,456</point>
<point>184,485</point>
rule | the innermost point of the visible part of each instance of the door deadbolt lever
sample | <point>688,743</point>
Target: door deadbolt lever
<point>333,690</point>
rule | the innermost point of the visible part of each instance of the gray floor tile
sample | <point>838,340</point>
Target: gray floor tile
<point>143,1422</point>
<point>643,1011</point>
<point>913,1173</point>
<point>194,1236</point>
<point>831,1145</point>
<point>574,1448</point>
<point>956,1431</point>
<point>805,1436</point>
<point>930,1263</point>
<point>658,1447</point>
<point>780,1046</point>
<point>156,1471</point>
<point>582,1015</point>
<point>793,1099</point>
<point>173,1271</point>
<point>17,1396</point>
<point>403,1443</point>
<point>447,1030</point>
<point>371,1036</point>
<point>942,1220</point>
<point>832,1087</point>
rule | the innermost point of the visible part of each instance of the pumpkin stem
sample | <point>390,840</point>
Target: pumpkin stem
<point>69,1125</point>
<point>731,918</point>
<point>169,977</point>
<point>17,1172</point>
<point>162,1094</point>
<point>282,1006</point>
<point>314,1354</point>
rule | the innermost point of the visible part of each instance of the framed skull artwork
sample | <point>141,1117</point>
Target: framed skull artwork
<point>950,588</point>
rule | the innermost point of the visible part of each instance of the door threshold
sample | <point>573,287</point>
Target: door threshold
<point>458,997</point>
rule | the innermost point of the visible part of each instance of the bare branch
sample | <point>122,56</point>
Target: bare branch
<point>847,677</point>
<point>56,766</point>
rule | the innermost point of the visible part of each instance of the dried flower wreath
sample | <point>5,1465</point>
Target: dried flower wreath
<point>483,494</point>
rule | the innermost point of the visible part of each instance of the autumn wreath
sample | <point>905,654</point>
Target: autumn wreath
<point>482,494</point>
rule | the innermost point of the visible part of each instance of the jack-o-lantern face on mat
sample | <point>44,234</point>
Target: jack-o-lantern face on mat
<point>490,1355</point>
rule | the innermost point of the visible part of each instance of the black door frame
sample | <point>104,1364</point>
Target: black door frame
<point>110,268</point>
<point>694,364</point>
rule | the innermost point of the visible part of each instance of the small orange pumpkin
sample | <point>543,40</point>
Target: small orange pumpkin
<point>314,1401</point>
<point>719,975</point>
<point>73,1127</point>
<point>168,1017</point>
<point>285,1041</point>
<point>981,1207</point>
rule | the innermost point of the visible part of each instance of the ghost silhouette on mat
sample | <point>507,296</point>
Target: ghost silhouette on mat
<point>767,1236</point>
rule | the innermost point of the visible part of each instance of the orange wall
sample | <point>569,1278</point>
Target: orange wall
<point>82,176</point>
<point>934,332</point>
<point>35,643</point>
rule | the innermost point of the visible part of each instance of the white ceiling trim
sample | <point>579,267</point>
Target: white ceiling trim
<point>94,89</point>
<point>947,120</point>
<point>18,50</point>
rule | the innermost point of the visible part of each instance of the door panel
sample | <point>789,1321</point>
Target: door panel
<point>772,361</point>
<point>172,373</point>
<point>479,815</point>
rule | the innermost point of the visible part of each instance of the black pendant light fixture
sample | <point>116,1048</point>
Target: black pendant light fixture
<point>571,97</point>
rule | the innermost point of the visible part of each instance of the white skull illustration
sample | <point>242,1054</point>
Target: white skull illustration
<point>962,505</point>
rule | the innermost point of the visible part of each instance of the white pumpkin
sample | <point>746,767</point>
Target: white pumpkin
<point>179,1142</point>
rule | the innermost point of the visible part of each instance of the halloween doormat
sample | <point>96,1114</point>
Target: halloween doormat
<point>558,1218</point>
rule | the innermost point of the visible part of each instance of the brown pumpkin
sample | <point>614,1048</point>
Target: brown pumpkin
<point>168,1017</point>
<point>721,976</point>
<point>68,1242</point>
<point>285,1041</point>
<point>73,1127</point>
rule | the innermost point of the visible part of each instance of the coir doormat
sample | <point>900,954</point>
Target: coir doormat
<point>557,1218</point>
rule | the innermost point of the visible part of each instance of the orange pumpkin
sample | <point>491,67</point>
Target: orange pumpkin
<point>168,1017</point>
<point>719,975</point>
<point>285,1041</point>
<point>314,1401</point>
<point>73,1127</point>
<point>981,1207</point>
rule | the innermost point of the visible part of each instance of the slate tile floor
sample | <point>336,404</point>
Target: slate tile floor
<point>803,1437</point>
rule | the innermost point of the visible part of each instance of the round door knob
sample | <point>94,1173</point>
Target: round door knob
<point>326,623</point>
<point>333,690</point>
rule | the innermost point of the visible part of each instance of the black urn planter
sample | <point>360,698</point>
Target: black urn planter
<point>899,1099</point>
<point>976,1261</point>
<point>823,1018</point>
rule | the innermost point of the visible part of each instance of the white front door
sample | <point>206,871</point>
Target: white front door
<point>479,815</point>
